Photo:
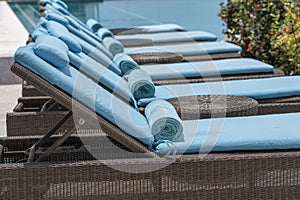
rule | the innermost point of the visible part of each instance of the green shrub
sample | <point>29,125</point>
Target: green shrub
<point>266,30</point>
<point>286,41</point>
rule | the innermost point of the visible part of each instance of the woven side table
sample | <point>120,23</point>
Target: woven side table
<point>158,58</point>
<point>213,106</point>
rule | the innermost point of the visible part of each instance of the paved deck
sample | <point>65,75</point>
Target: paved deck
<point>12,35</point>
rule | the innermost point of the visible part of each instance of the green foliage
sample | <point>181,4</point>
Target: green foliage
<point>266,30</point>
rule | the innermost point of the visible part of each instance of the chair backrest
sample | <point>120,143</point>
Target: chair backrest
<point>89,93</point>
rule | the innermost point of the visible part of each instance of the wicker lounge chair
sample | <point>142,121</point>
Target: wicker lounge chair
<point>272,110</point>
<point>254,174</point>
<point>239,174</point>
<point>36,64</point>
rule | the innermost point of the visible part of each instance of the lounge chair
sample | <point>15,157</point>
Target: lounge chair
<point>254,174</point>
<point>256,88</point>
<point>106,104</point>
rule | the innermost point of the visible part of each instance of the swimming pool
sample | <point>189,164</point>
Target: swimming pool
<point>191,14</point>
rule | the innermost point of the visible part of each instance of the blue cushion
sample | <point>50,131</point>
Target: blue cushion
<point>50,9</point>
<point>52,50</point>
<point>42,22</point>
<point>38,32</point>
<point>98,55</point>
<point>265,88</point>
<point>57,18</point>
<point>161,28</point>
<point>172,36</point>
<point>79,36</point>
<point>62,33</point>
<point>266,132</point>
<point>206,68</point>
<point>189,49</point>
<point>60,8</point>
<point>73,22</point>
<point>101,74</point>
<point>93,25</point>
<point>90,94</point>
<point>84,36</point>
<point>56,29</point>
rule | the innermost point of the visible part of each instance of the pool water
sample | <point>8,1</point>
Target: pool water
<point>191,14</point>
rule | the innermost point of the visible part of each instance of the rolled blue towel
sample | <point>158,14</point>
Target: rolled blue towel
<point>140,84</point>
<point>125,63</point>
<point>164,121</point>
<point>104,33</point>
<point>113,45</point>
<point>93,25</point>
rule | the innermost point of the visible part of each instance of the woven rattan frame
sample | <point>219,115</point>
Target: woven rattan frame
<point>257,175</point>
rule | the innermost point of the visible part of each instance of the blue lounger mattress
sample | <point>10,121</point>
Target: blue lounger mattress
<point>267,132</point>
<point>172,37</point>
<point>244,133</point>
<point>265,88</point>
<point>206,68</point>
<point>161,28</point>
<point>189,49</point>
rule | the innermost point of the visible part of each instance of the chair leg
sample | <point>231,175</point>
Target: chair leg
<point>78,123</point>
<point>44,139</point>
<point>58,143</point>
<point>48,105</point>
